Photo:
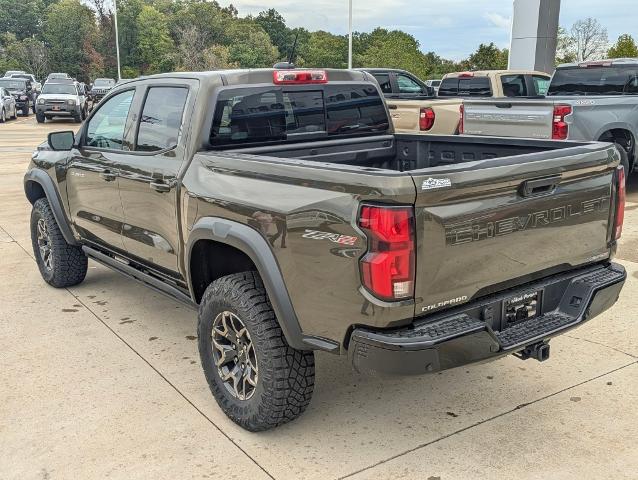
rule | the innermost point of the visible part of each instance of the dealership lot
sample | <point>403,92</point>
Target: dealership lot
<point>103,379</point>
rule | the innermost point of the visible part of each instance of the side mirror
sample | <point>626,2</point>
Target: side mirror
<point>61,140</point>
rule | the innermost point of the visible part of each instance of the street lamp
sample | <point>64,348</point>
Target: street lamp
<point>117,41</point>
<point>350,34</point>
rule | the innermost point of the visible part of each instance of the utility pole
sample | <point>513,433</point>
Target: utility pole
<point>117,41</point>
<point>350,34</point>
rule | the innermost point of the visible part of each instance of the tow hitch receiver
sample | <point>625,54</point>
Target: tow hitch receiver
<point>538,351</point>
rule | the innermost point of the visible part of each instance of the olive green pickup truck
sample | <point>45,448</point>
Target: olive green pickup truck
<point>281,205</point>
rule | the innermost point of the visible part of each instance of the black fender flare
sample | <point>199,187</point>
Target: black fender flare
<point>250,242</point>
<point>44,180</point>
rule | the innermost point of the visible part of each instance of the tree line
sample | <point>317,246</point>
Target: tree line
<point>42,36</point>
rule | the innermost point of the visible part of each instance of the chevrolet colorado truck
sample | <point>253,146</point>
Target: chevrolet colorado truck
<point>415,112</point>
<point>594,100</point>
<point>282,207</point>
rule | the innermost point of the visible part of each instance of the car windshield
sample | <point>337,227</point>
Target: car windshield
<point>20,75</point>
<point>594,81</point>
<point>59,88</point>
<point>13,84</point>
<point>103,82</point>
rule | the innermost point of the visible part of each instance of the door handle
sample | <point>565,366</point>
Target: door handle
<point>108,176</point>
<point>541,186</point>
<point>393,107</point>
<point>160,186</point>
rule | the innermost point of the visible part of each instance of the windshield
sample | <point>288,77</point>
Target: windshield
<point>103,82</point>
<point>594,81</point>
<point>59,88</point>
<point>13,84</point>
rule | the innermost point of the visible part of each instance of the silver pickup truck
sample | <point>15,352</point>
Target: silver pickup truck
<point>586,101</point>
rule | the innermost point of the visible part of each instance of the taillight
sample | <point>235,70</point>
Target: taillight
<point>426,119</point>
<point>560,129</point>
<point>461,120</point>
<point>387,269</point>
<point>620,202</point>
<point>296,77</point>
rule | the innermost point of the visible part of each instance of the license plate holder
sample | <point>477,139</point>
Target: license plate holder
<point>520,308</point>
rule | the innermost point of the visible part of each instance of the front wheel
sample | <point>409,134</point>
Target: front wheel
<point>61,265</point>
<point>3,116</point>
<point>258,380</point>
<point>25,110</point>
<point>40,117</point>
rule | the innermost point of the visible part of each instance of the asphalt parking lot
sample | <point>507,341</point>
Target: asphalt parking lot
<point>103,380</point>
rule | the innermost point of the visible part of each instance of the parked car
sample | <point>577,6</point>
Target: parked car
<point>440,116</point>
<point>22,92</point>
<point>37,86</point>
<point>8,73</point>
<point>100,87</point>
<point>8,107</point>
<point>419,254</point>
<point>57,76</point>
<point>434,85</point>
<point>61,100</point>
<point>585,101</point>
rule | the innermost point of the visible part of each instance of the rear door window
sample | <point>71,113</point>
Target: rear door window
<point>161,119</point>
<point>274,114</point>
<point>384,82</point>
<point>514,85</point>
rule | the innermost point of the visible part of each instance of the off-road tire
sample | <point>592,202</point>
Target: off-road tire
<point>624,157</point>
<point>40,117</point>
<point>286,376</point>
<point>68,262</point>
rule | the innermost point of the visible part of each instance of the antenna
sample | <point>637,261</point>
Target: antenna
<point>293,50</point>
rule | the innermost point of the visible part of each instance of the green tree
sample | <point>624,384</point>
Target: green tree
<point>392,49</point>
<point>30,55</point>
<point>21,17</point>
<point>250,45</point>
<point>275,26</point>
<point>69,32</point>
<point>487,57</point>
<point>325,49</point>
<point>155,43</point>
<point>625,47</point>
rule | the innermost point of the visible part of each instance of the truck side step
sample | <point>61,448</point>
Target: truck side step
<point>533,329</point>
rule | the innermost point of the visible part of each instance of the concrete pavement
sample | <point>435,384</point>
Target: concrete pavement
<point>103,380</point>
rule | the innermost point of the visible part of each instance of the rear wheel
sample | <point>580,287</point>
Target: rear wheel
<point>61,265</point>
<point>15,112</point>
<point>258,380</point>
<point>624,157</point>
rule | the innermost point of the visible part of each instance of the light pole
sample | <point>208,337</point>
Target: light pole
<point>349,33</point>
<point>117,41</point>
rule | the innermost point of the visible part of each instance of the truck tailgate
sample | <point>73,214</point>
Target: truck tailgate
<point>490,225</point>
<point>509,118</point>
<point>405,115</point>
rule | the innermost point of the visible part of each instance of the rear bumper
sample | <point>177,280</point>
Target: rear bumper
<point>473,333</point>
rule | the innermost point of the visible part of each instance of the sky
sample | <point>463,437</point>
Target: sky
<point>451,28</point>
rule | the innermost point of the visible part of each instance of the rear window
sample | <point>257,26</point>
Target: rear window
<point>465,87</point>
<point>245,116</point>
<point>514,85</point>
<point>594,81</point>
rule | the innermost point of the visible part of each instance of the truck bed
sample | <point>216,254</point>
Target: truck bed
<point>406,152</point>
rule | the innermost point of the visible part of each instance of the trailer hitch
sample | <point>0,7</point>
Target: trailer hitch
<point>538,351</point>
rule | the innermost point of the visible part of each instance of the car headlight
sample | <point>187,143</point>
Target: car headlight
<point>41,101</point>
<point>24,97</point>
<point>71,102</point>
